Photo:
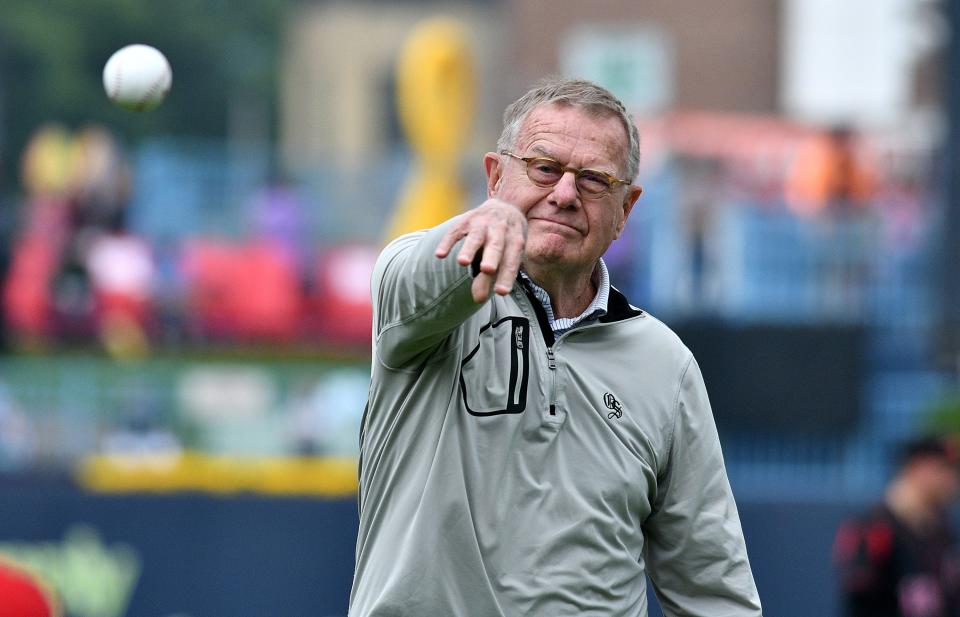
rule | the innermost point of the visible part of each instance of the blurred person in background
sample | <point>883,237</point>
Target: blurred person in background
<point>278,213</point>
<point>833,181</point>
<point>533,444</point>
<point>37,245</point>
<point>831,175</point>
<point>107,272</point>
<point>700,204</point>
<point>899,559</point>
<point>76,273</point>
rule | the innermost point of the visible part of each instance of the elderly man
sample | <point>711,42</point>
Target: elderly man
<point>533,444</point>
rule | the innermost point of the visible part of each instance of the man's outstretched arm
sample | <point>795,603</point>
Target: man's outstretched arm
<point>421,293</point>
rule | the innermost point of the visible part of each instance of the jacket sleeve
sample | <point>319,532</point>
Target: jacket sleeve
<point>417,299</point>
<point>695,551</point>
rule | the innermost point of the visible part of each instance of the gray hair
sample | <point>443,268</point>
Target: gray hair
<point>573,92</point>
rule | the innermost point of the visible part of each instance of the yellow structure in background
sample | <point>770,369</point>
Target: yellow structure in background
<point>436,96</point>
<point>220,475</point>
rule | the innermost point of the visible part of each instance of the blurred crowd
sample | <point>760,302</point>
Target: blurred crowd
<point>79,275</point>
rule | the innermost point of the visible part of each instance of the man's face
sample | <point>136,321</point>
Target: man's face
<point>940,481</point>
<point>948,483</point>
<point>566,230</point>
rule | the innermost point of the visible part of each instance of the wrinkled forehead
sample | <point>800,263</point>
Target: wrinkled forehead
<point>577,122</point>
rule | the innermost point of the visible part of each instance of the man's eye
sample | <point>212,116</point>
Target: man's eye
<point>546,168</point>
<point>594,182</point>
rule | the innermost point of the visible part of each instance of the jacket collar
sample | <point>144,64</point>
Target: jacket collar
<point>618,307</point>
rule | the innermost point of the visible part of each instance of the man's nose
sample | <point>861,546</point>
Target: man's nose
<point>565,193</point>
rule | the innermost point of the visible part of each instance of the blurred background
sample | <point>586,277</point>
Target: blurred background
<point>184,293</point>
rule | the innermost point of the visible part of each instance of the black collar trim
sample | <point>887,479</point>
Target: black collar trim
<point>618,308</point>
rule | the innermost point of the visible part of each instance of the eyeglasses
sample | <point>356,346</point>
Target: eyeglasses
<point>546,172</point>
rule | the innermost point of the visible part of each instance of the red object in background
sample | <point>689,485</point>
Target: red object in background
<point>208,270</point>
<point>242,291</point>
<point>24,596</point>
<point>27,294</point>
<point>341,300</point>
<point>267,293</point>
<point>846,542</point>
<point>879,540</point>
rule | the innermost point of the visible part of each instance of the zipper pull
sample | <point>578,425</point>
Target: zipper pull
<point>551,360</point>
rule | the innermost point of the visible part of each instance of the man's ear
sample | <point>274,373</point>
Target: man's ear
<point>494,168</point>
<point>633,193</point>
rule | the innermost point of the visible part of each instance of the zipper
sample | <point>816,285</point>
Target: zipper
<point>548,339</point>
<point>552,365</point>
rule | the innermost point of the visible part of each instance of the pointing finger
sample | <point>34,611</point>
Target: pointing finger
<point>480,289</point>
<point>449,239</point>
<point>474,241</point>
<point>492,251</point>
<point>509,265</point>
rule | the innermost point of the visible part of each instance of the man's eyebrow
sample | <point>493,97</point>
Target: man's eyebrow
<point>542,151</point>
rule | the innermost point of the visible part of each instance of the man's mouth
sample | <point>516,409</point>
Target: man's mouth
<point>556,222</point>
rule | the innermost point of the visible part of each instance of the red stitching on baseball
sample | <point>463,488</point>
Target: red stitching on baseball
<point>145,100</point>
<point>116,88</point>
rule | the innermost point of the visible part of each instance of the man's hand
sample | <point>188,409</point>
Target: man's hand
<point>498,231</point>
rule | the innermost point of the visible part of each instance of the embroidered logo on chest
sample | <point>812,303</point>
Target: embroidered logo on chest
<point>614,405</point>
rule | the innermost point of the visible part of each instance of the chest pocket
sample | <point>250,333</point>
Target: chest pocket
<point>494,375</point>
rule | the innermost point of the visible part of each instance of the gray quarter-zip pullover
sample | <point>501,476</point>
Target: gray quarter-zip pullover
<point>505,473</point>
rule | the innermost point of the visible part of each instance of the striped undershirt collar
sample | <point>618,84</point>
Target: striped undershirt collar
<point>597,308</point>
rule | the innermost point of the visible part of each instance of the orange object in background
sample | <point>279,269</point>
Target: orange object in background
<point>829,171</point>
<point>23,595</point>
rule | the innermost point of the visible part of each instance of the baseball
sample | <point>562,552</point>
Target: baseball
<point>137,77</point>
